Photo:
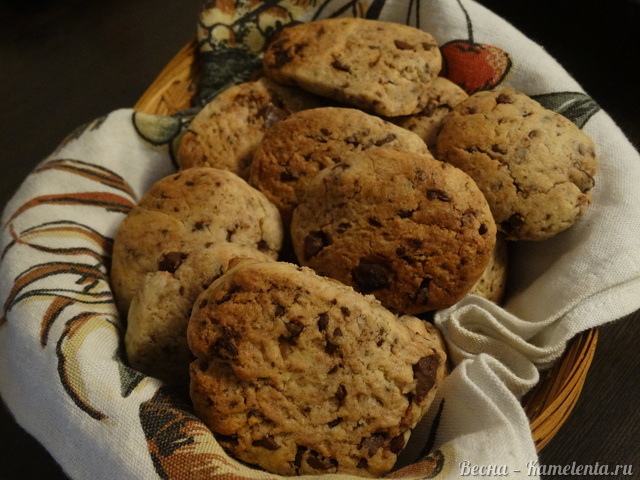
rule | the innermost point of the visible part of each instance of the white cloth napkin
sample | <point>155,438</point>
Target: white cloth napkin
<point>62,372</point>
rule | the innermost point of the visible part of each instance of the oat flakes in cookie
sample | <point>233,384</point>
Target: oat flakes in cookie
<point>299,374</point>
<point>184,212</point>
<point>415,232</point>
<point>156,335</point>
<point>535,167</point>
<point>305,143</point>
<point>381,67</point>
<point>225,133</point>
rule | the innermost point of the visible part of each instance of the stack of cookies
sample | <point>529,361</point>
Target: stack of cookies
<point>318,212</point>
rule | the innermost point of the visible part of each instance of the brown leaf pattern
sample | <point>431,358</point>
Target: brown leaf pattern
<point>89,171</point>
<point>91,279</point>
<point>69,344</point>
<point>66,277</point>
<point>180,445</point>
<point>43,237</point>
<point>428,467</point>
<point>110,202</point>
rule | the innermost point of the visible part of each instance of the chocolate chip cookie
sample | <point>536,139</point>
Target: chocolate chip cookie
<point>156,336</point>
<point>415,232</point>
<point>185,212</point>
<point>296,149</point>
<point>381,67</point>
<point>493,282</point>
<point>443,95</point>
<point>225,133</point>
<point>535,167</point>
<point>299,374</point>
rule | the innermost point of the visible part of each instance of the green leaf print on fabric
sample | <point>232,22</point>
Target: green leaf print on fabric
<point>233,36</point>
<point>158,130</point>
<point>129,378</point>
<point>162,131</point>
<point>231,50</point>
<point>224,68</point>
<point>577,107</point>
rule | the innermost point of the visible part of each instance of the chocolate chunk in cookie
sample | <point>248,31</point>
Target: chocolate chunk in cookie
<point>535,167</point>
<point>156,336</point>
<point>226,132</point>
<point>381,67</point>
<point>443,95</point>
<point>189,211</point>
<point>299,374</point>
<point>415,232</point>
<point>296,149</point>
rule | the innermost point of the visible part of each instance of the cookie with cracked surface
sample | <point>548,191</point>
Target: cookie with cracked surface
<point>296,149</point>
<point>185,212</point>
<point>225,133</point>
<point>415,232</point>
<point>156,335</point>
<point>378,66</point>
<point>535,167</point>
<point>443,95</point>
<point>493,282</point>
<point>300,374</point>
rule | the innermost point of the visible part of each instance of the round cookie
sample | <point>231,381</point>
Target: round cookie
<point>443,95</point>
<point>185,212</point>
<point>296,149</point>
<point>415,232</point>
<point>381,67</point>
<point>534,166</point>
<point>300,374</point>
<point>493,282</point>
<point>225,133</point>
<point>156,335</point>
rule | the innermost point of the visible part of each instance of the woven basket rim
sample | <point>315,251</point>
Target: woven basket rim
<point>547,405</point>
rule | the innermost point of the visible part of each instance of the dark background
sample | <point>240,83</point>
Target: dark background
<point>65,63</point>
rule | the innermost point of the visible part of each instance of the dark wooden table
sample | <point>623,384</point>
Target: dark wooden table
<point>67,62</point>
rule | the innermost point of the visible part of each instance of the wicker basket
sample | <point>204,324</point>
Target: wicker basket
<point>548,405</point>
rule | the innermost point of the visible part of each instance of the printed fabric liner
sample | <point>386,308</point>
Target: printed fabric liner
<point>62,368</point>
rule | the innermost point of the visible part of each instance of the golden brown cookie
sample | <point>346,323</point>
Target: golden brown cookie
<point>443,95</point>
<point>381,67</point>
<point>415,232</point>
<point>156,335</point>
<point>296,149</point>
<point>185,212</point>
<point>299,374</point>
<point>535,167</point>
<point>225,133</point>
<point>493,282</point>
